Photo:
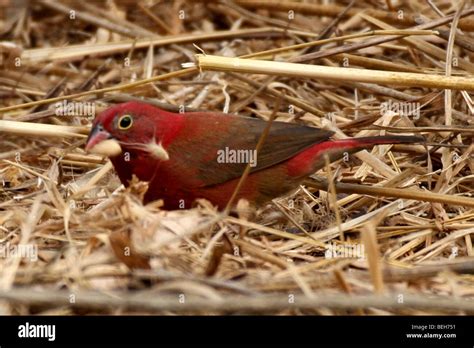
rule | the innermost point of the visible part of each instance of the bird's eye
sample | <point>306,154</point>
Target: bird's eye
<point>125,122</point>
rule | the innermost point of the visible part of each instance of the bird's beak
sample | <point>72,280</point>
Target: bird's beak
<point>100,142</point>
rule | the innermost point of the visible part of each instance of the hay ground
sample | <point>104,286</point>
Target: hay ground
<point>89,246</point>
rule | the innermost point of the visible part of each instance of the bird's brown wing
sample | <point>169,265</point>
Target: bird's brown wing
<point>211,138</point>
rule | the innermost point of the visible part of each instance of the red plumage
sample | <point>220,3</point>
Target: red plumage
<point>196,142</point>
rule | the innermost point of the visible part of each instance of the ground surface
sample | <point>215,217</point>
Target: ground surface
<point>90,246</point>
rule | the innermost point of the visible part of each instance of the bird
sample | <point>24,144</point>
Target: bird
<point>191,155</point>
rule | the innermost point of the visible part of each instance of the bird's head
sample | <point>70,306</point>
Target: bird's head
<point>129,126</point>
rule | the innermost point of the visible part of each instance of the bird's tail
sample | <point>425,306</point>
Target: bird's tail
<point>334,150</point>
<point>352,145</point>
<point>381,140</point>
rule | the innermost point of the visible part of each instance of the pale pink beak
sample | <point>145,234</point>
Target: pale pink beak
<point>102,143</point>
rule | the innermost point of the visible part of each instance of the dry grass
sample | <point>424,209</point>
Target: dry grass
<point>91,246</point>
